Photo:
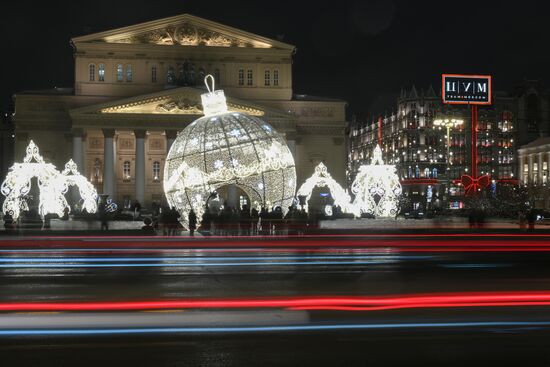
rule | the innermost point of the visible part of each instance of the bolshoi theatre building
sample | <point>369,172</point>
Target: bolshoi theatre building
<point>137,87</point>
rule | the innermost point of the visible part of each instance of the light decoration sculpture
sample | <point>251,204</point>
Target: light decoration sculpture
<point>52,185</point>
<point>321,178</point>
<point>223,148</point>
<point>377,188</point>
<point>71,177</point>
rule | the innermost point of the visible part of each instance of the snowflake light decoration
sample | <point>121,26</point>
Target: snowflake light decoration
<point>52,185</point>
<point>321,178</point>
<point>377,188</point>
<point>233,148</point>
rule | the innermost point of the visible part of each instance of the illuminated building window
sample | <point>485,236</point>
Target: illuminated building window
<point>267,78</point>
<point>241,77</point>
<point>101,73</point>
<point>156,170</point>
<point>526,167</point>
<point>153,74</point>
<point>217,77</point>
<point>249,77</point>
<point>276,78</point>
<point>119,73</point>
<point>434,174</point>
<point>92,72</point>
<point>126,171</point>
<point>426,173</point>
<point>129,73</point>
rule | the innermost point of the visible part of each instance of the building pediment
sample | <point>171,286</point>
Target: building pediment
<point>176,101</point>
<point>183,30</point>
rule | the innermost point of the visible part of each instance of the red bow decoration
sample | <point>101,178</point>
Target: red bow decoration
<point>472,184</point>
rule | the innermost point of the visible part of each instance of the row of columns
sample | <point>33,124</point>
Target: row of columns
<point>529,159</point>
<point>109,158</point>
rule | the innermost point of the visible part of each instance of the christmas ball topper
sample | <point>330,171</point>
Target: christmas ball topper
<point>228,148</point>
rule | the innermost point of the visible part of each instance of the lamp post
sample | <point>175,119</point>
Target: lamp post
<point>448,123</point>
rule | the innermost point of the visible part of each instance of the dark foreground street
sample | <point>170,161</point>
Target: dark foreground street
<point>322,300</point>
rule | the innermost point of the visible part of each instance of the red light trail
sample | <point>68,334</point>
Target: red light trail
<point>342,303</point>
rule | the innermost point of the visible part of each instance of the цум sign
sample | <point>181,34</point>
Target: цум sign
<point>473,90</point>
<point>467,89</point>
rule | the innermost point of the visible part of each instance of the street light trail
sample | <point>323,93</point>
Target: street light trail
<point>369,303</point>
<point>286,328</point>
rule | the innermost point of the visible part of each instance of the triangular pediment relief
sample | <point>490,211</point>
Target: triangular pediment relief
<point>184,30</point>
<point>177,101</point>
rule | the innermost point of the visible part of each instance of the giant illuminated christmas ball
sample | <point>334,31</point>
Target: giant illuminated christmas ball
<point>224,148</point>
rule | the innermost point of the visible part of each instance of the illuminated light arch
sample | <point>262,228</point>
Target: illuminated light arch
<point>88,194</point>
<point>321,178</point>
<point>224,148</point>
<point>52,185</point>
<point>377,180</point>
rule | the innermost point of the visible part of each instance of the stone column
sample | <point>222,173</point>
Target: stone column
<point>170,137</point>
<point>541,171</point>
<point>78,150</point>
<point>109,151</point>
<point>530,173</point>
<point>140,165</point>
<point>521,176</point>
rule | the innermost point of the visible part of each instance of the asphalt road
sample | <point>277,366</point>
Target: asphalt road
<point>340,300</point>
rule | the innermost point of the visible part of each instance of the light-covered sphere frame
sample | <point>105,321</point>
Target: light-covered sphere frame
<point>229,148</point>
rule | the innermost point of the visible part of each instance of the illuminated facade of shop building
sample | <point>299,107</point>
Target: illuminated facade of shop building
<point>137,87</point>
<point>410,140</point>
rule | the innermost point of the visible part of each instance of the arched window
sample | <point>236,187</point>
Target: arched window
<point>241,76</point>
<point>129,74</point>
<point>427,173</point>
<point>249,77</point>
<point>119,73</point>
<point>92,72</point>
<point>126,173</point>
<point>101,73</point>
<point>434,173</point>
<point>275,78</point>
<point>153,74</point>
<point>417,172</point>
<point>156,170</point>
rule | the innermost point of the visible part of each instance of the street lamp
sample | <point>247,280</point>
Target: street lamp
<point>448,123</point>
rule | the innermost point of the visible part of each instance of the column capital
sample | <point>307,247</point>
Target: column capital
<point>77,132</point>
<point>171,134</point>
<point>140,134</point>
<point>108,133</point>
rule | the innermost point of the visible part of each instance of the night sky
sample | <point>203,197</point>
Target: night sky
<point>361,51</point>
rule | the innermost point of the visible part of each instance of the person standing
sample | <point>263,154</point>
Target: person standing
<point>192,222</point>
<point>531,219</point>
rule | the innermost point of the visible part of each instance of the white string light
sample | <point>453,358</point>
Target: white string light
<point>377,180</point>
<point>224,148</point>
<point>321,178</point>
<point>52,185</point>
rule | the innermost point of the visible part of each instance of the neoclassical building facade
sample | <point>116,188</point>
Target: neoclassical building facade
<point>137,87</point>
